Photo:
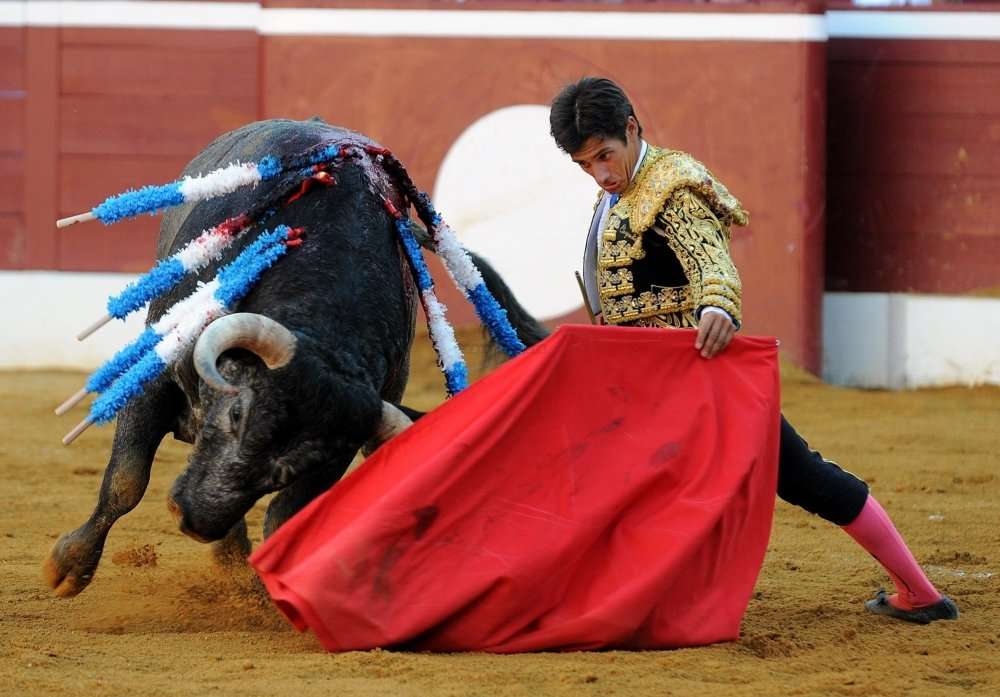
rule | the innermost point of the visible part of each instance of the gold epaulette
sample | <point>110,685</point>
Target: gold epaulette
<point>668,184</point>
<point>662,173</point>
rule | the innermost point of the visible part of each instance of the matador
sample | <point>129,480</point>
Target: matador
<point>658,256</point>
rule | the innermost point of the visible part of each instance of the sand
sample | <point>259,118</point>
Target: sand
<point>161,619</point>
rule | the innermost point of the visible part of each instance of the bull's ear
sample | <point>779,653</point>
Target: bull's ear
<point>283,474</point>
<point>186,424</point>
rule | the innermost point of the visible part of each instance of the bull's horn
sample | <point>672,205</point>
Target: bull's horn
<point>394,422</point>
<point>270,340</point>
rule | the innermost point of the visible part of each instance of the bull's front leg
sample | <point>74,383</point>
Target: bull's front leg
<point>141,426</point>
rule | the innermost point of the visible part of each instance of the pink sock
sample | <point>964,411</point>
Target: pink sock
<point>874,531</point>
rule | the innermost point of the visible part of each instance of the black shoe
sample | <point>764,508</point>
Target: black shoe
<point>944,609</point>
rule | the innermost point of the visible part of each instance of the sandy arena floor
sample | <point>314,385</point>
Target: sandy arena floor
<point>160,619</point>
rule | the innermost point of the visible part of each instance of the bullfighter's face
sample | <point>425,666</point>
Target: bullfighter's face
<point>610,161</point>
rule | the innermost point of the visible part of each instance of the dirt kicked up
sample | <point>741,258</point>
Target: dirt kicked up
<point>161,619</point>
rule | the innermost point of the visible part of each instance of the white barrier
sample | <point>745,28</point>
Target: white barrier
<point>875,340</point>
<point>42,312</point>
<point>551,23</point>
<point>900,341</point>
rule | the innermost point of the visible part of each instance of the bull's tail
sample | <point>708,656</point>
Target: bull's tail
<point>529,330</point>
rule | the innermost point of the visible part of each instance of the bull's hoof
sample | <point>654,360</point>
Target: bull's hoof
<point>70,566</point>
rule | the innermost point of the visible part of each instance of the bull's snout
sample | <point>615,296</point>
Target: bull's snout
<point>182,523</point>
<point>174,509</point>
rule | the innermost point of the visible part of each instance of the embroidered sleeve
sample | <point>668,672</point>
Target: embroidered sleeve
<point>701,244</point>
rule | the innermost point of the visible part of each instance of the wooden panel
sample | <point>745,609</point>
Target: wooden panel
<point>877,143</point>
<point>914,154</point>
<point>872,205</point>
<point>380,89</point>
<point>141,70</point>
<point>895,88</point>
<point>11,124</point>
<point>148,125</point>
<point>86,180</point>
<point>754,107</point>
<point>40,146</point>
<point>900,262</point>
<point>136,106</point>
<point>12,241</point>
<point>164,38</point>
<point>11,183</point>
<point>11,59</point>
<point>11,145</point>
<point>128,246</point>
<point>812,211</point>
<point>915,50</point>
<point>909,233</point>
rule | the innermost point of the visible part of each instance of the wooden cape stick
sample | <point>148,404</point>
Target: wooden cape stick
<point>586,301</point>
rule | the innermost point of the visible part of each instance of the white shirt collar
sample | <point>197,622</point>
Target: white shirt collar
<point>642,156</point>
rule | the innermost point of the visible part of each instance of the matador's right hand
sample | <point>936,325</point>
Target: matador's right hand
<point>715,331</point>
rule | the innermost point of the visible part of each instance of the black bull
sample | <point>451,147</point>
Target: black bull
<point>342,306</point>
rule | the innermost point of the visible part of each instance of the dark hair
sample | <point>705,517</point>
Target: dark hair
<point>594,106</point>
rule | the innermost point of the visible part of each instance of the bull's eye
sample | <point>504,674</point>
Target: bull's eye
<point>235,414</point>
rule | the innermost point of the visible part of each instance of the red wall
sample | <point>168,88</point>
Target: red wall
<point>732,104</point>
<point>904,189</point>
<point>134,107</point>
<point>12,105</point>
<point>914,153</point>
<point>102,111</point>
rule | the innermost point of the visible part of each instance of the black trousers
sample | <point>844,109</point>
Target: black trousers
<point>805,479</point>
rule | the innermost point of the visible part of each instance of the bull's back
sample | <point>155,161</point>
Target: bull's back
<point>346,285</point>
<point>249,143</point>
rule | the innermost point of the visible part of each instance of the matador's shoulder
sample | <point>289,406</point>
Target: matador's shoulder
<point>662,173</point>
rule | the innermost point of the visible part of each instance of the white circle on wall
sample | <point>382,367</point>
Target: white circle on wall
<point>514,198</point>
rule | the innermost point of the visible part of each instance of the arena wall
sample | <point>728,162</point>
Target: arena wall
<point>903,340</point>
<point>12,134</point>
<point>122,95</point>
<point>913,197</point>
<point>914,150</point>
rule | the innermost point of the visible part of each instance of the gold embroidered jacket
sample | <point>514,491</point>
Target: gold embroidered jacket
<point>664,253</point>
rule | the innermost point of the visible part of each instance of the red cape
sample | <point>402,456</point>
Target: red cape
<point>608,488</point>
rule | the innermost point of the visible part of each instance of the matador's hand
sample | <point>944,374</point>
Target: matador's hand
<point>715,331</point>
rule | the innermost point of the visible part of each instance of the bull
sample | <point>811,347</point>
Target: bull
<point>280,396</point>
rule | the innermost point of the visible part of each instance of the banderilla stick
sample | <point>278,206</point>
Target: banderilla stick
<point>74,219</point>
